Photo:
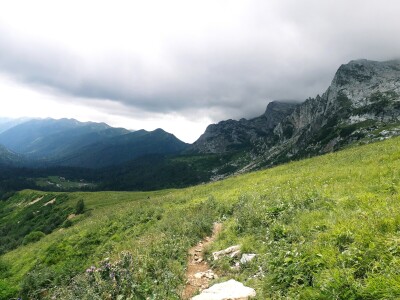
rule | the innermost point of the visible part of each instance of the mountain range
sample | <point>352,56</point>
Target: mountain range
<point>68,142</point>
<point>361,105</point>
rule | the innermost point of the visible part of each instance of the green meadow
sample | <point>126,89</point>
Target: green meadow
<point>322,228</point>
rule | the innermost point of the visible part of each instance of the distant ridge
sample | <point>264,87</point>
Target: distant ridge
<point>68,142</point>
<point>244,134</point>
<point>120,149</point>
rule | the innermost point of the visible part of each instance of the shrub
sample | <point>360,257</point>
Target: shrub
<point>32,237</point>
<point>36,283</point>
<point>122,279</point>
<point>67,223</point>
<point>80,207</point>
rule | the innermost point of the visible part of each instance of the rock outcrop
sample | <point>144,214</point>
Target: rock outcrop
<point>363,96</point>
<point>362,101</point>
<point>233,135</point>
<point>228,290</point>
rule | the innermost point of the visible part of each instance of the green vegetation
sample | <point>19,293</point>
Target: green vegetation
<point>80,207</point>
<point>61,183</point>
<point>322,228</point>
<point>26,217</point>
<point>32,237</point>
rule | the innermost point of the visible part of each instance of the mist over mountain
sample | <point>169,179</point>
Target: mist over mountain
<point>7,123</point>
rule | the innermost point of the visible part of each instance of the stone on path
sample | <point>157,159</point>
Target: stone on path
<point>209,274</point>
<point>228,290</point>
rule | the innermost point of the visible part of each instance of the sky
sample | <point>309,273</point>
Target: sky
<point>180,64</point>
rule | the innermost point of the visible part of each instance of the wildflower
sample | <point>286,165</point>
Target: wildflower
<point>91,269</point>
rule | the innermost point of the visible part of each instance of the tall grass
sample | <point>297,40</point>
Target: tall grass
<point>322,228</point>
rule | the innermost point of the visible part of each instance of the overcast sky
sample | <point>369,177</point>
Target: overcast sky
<point>181,65</point>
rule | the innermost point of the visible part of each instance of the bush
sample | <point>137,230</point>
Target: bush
<point>32,237</point>
<point>123,279</point>
<point>80,207</point>
<point>67,223</point>
<point>36,283</point>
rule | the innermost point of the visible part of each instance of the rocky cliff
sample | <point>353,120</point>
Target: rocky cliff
<point>363,97</point>
<point>244,134</point>
<point>362,104</point>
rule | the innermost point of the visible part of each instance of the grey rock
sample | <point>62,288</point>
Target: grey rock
<point>243,134</point>
<point>363,96</point>
<point>232,251</point>
<point>228,290</point>
<point>207,274</point>
<point>247,257</point>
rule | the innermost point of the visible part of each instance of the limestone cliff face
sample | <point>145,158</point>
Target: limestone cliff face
<point>362,104</point>
<point>361,91</point>
<point>233,135</point>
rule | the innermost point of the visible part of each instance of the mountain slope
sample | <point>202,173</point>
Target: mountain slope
<point>45,139</point>
<point>9,158</point>
<point>121,149</point>
<point>234,135</point>
<point>68,142</point>
<point>321,228</point>
<point>6,123</point>
<point>364,97</point>
<point>361,104</point>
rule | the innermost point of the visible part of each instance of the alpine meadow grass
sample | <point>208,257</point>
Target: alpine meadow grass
<point>322,228</point>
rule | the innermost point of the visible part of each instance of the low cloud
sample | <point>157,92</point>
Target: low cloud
<point>227,59</point>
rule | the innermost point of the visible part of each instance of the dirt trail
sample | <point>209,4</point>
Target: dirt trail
<point>196,264</point>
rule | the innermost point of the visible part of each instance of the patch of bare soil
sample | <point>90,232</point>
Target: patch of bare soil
<point>52,201</point>
<point>197,265</point>
<point>71,216</point>
<point>35,201</point>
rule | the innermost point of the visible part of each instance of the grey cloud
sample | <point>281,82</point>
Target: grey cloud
<point>292,56</point>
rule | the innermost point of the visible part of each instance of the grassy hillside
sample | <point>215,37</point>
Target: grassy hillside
<point>323,228</point>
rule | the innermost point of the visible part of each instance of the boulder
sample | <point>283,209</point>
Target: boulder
<point>228,290</point>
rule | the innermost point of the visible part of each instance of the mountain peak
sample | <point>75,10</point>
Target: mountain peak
<point>232,135</point>
<point>159,130</point>
<point>363,71</point>
<point>276,111</point>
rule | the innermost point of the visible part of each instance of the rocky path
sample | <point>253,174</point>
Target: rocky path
<point>199,273</point>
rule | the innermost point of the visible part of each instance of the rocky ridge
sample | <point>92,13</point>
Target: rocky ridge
<point>233,135</point>
<point>363,97</point>
<point>362,104</point>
